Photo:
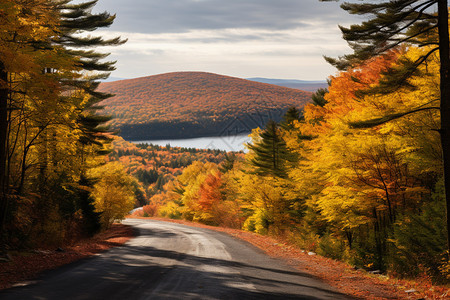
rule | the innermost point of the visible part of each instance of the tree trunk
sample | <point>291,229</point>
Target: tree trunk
<point>43,160</point>
<point>4,93</point>
<point>445,102</point>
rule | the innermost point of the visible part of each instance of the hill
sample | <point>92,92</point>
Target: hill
<point>304,85</point>
<point>194,104</point>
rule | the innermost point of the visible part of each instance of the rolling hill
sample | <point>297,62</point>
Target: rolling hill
<point>194,104</point>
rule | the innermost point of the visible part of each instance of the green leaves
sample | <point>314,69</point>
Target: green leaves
<point>270,153</point>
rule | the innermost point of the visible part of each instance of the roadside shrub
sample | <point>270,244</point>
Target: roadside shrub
<point>332,247</point>
<point>150,210</point>
<point>170,210</point>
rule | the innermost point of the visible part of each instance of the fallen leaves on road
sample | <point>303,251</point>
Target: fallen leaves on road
<point>27,265</point>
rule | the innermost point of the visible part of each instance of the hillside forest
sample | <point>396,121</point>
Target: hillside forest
<point>373,197</point>
<point>155,166</point>
<point>194,104</point>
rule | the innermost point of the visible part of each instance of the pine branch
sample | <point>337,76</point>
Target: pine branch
<point>387,118</point>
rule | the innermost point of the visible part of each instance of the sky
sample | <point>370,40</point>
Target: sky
<point>283,39</point>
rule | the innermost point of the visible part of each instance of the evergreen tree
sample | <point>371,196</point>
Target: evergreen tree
<point>270,153</point>
<point>160,183</point>
<point>76,18</point>
<point>391,24</point>
<point>318,97</point>
<point>228,163</point>
<point>291,115</point>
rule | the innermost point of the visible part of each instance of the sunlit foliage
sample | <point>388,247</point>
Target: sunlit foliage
<point>50,134</point>
<point>370,196</point>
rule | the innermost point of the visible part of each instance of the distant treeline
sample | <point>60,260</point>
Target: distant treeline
<point>191,129</point>
<point>154,166</point>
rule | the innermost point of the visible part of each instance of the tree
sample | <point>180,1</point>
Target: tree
<point>114,193</point>
<point>318,97</point>
<point>210,198</point>
<point>291,115</point>
<point>405,22</point>
<point>25,28</point>
<point>270,153</point>
<point>50,130</point>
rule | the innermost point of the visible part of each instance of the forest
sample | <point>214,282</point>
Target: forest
<point>360,173</point>
<point>372,196</point>
<point>194,104</point>
<point>55,185</point>
<point>154,166</point>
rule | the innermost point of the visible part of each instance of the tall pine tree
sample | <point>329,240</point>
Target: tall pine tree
<point>271,155</point>
<point>76,18</point>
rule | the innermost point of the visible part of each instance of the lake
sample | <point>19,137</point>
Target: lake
<point>227,143</point>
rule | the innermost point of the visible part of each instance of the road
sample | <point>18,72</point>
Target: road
<point>174,261</point>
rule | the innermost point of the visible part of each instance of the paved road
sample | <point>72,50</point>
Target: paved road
<point>173,261</point>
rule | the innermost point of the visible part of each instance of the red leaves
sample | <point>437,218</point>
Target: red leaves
<point>209,193</point>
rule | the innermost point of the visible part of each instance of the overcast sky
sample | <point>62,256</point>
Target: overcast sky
<point>283,39</point>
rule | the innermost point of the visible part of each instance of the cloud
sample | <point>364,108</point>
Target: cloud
<point>243,38</point>
<point>283,54</point>
<point>170,16</point>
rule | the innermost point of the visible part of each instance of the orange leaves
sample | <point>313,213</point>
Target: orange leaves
<point>357,173</point>
<point>209,192</point>
<point>343,90</point>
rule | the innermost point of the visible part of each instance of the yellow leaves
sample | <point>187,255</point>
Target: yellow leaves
<point>113,193</point>
<point>348,174</point>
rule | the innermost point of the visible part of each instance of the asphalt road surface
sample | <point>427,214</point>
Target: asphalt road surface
<point>173,261</point>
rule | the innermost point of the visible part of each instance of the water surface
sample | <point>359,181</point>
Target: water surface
<point>227,143</point>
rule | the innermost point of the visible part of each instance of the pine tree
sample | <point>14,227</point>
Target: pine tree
<point>78,18</point>
<point>271,155</point>
<point>228,163</point>
<point>318,97</point>
<point>404,22</point>
<point>291,115</point>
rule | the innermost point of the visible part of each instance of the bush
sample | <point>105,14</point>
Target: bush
<point>332,247</point>
<point>150,210</point>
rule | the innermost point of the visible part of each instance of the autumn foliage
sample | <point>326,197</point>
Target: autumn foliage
<point>372,197</point>
<point>189,104</point>
<point>51,133</point>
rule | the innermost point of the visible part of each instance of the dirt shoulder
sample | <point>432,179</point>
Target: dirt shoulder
<point>26,265</point>
<point>346,279</point>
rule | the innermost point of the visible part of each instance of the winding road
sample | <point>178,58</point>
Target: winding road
<point>174,261</point>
